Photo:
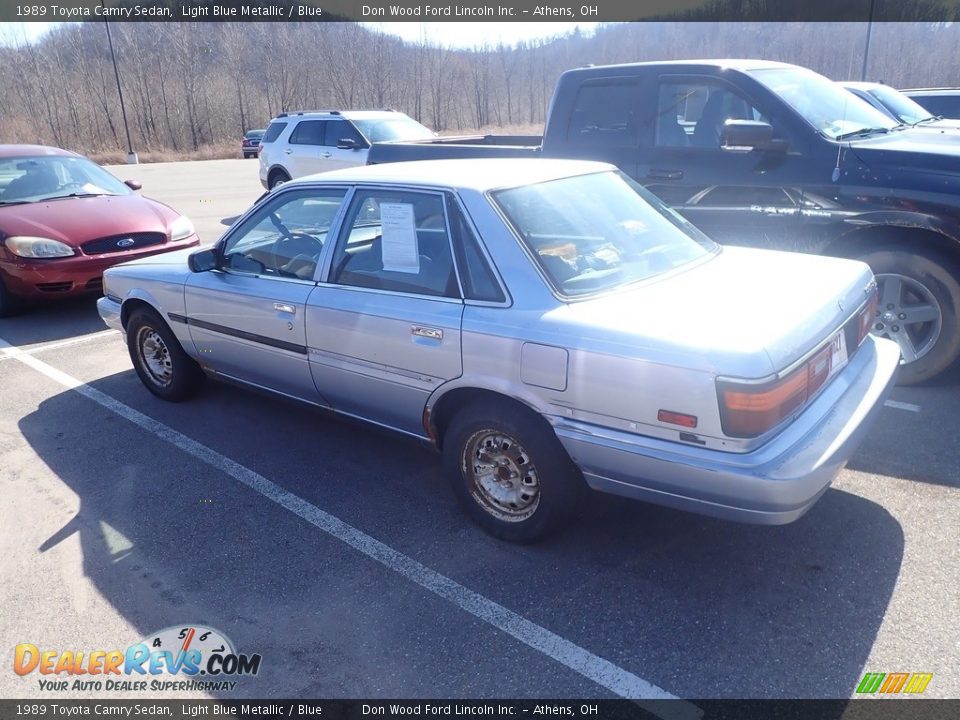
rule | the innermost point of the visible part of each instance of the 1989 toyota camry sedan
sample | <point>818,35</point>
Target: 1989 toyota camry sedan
<point>548,325</point>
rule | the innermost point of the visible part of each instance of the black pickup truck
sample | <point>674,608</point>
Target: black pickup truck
<point>771,155</point>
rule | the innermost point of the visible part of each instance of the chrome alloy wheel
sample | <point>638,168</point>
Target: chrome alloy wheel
<point>908,313</point>
<point>502,476</point>
<point>155,356</point>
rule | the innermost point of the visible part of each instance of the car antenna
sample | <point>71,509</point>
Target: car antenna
<point>843,121</point>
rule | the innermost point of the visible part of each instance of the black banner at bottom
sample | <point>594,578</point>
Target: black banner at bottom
<point>886,709</point>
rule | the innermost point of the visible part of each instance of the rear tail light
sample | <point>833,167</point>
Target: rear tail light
<point>865,319</point>
<point>751,409</point>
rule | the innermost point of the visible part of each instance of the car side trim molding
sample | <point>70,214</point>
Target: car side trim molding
<point>242,334</point>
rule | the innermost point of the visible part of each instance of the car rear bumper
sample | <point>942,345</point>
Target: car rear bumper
<point>772,485</point>
<point>77,275</point>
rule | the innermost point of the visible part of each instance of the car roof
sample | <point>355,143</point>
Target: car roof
<point>11,151</point>
<point>480,174</point>
<point>861,85</point>
<point>933,91</point>
<point>743,64</point>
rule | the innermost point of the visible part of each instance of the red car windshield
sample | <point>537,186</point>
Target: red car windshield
<point>47,177</point>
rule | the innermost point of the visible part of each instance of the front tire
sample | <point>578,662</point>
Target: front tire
<point>510,472</point>
<point>160,361</point>
<point>919,307</point>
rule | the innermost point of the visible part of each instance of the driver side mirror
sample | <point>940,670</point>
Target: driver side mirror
<point>747,135</point>
<point>350,144</point>
<point>133,184</point>
<point>203,260</point>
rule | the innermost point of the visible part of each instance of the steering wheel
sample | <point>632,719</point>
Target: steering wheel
<point>292,245</point>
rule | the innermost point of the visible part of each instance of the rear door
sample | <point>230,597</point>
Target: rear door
<point>305,150</point>
<point>384,331</point>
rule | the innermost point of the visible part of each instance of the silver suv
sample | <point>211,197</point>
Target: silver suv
<point>303,143</point>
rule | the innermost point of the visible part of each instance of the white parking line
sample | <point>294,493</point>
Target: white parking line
<point>63,343</point>
<point>902,405</point>
<point>582,661</point>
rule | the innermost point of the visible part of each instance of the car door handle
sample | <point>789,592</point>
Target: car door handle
<point>326,154</point>
<point>427,332</point>
<point>658,174</point>
<point>288,151</point>
<point>285,308</point>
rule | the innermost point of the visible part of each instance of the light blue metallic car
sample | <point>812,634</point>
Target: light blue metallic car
<point>549,325</point>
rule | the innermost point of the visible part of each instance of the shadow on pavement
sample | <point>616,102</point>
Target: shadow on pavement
<point>701,607</point>
<point>41,322</point>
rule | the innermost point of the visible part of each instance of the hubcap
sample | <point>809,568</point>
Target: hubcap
<point>155,356</point>
<point>503,478</point>
<point>908,313</point>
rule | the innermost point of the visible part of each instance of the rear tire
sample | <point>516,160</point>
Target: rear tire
<point>277,177</point>
<point>510,472</point>
<point>919,308</point>
<point>160,361</point>
<point>10,304</point>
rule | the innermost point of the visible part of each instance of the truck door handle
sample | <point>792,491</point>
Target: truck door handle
<point>427,332</point>
<point>285,308</point>
<point>658,174</point>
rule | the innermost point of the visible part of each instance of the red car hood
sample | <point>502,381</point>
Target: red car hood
<point>75,221</point>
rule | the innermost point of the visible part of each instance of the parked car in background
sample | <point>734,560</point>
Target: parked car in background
<point>768,154</point>
<point>250,144</point>
<point>64,220</point>
<point>549,325</point>
<point>899,107</point>
<point>302,143</point>
<point>944,102</point>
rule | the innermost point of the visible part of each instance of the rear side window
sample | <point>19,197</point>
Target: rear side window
<point>479,282</point>
<point>605,113</point>
<point>273,132</point>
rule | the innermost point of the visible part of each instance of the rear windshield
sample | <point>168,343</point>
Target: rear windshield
<point>596,232</point>
<point>273,132</point>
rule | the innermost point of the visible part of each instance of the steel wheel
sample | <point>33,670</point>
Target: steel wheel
<point>155,356</point>
<point>503,478</point>
<point>908,313</point>
<point>509,471</point>
<point>158,358</point>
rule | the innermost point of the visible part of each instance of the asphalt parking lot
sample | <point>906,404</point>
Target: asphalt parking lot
<point>337,552</point>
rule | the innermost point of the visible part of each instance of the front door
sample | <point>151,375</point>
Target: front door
<point>384,331</point>
<point>736,197</point>
<point>246,318</point>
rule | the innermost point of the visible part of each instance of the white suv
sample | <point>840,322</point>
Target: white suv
<point>302,143</point>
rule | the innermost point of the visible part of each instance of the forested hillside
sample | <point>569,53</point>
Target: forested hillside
<point>191,85</point>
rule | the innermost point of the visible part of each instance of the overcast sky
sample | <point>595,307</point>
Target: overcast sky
<point>456,34</point>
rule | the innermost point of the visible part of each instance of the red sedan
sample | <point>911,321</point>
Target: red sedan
<point>64,220</point>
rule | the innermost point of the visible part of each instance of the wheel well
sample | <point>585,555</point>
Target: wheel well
<point>128,307</point>
<point>274,171</point>
<point>894,237</point>
<point>452,402</point>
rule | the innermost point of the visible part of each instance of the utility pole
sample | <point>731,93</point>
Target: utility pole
<point>131,155</point>
<point>866,50</point>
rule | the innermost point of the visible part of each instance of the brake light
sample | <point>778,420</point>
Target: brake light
<point>867,315</point>
<point>748,410</point>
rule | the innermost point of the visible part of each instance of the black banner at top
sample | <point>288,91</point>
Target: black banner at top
<point>472,11</point>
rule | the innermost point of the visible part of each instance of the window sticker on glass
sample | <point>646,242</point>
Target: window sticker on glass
<point>401,252</point>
